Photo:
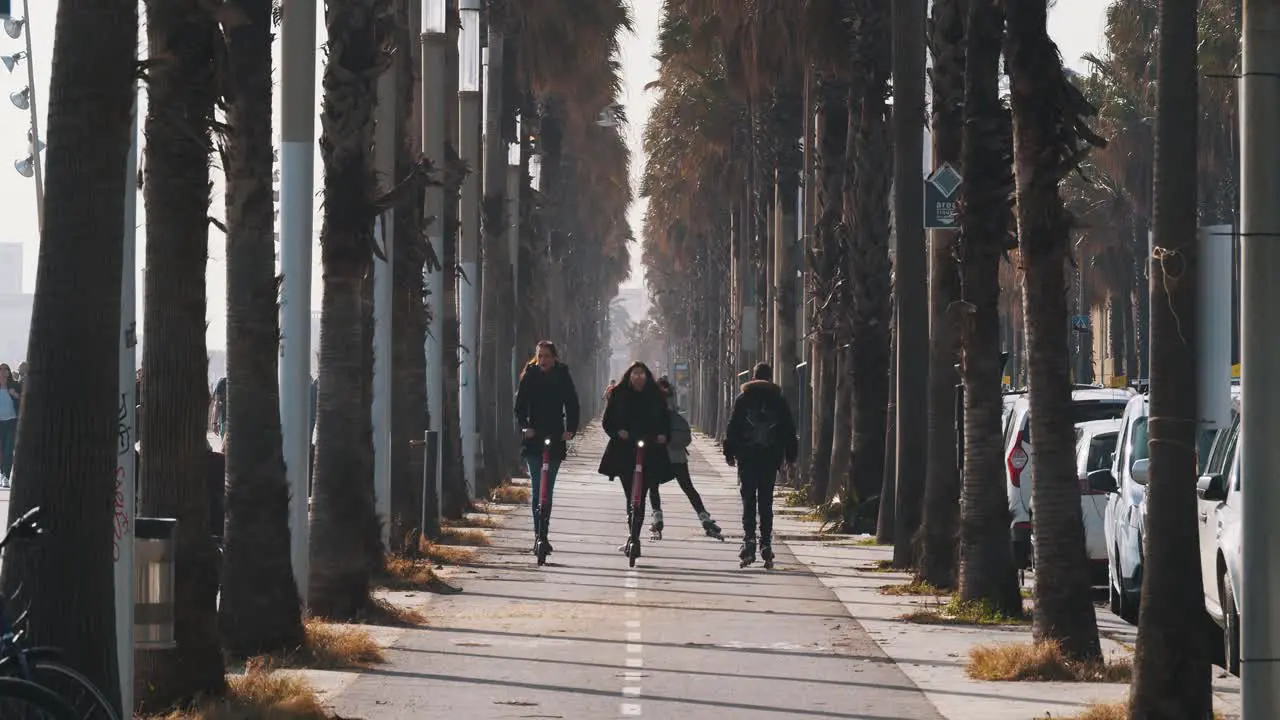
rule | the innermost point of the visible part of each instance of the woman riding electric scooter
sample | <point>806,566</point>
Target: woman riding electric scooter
<point>547,409</point>
<point>638,425</point>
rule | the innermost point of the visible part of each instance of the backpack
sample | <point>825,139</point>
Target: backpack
<point>760,426</point>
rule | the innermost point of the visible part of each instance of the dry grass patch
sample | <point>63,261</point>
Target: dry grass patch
<point>446,554</point>
<point>331,646</point>
<point>915,587</point>
<point>475,520</point>
<point>259,694</point>
<point>506,494</point>
<point>386,613</point>
<point>1113,711</point>
<point>879,566</point>
<point>958,612</point>
<point>410,574</point>
<point>867,542</point>
<point>464,536</point>
<point>1042,662</point>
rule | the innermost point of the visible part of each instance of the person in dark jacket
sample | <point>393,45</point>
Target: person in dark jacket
<point>546,407</point>
<point>637,410</point>
<point>761,434</point>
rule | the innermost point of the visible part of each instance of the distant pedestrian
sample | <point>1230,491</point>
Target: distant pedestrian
<point>761,435</point>
<point>10,401</point>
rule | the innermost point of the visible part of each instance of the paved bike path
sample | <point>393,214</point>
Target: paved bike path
<point>685,634</point>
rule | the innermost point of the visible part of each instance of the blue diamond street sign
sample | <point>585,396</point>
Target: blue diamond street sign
<point>940,197</point>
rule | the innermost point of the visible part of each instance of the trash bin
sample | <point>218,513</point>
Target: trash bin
<point>153,559</point>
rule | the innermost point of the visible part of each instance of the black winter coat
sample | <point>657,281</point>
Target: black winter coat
<point>547,403</point>
<point>644,416</point>
<point>785,445</point>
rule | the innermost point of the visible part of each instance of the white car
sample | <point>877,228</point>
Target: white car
<point>1095,445</point>
<point>1087,404</point>
<point>1219,496</point>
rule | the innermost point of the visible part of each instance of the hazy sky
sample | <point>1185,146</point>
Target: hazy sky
<point>1077,31</point>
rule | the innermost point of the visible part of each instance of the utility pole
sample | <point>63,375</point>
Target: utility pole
<point>434,120</point>
<point>469,111</point>
<point>384,150</point>
<point>297,184</point>
<point>1260,356</point>
<point>910,273</point>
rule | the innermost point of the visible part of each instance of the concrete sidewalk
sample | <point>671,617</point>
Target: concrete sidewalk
<point>934,656</point>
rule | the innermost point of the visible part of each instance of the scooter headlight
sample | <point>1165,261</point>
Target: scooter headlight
<point>640,444</point>
<point>547,441</point>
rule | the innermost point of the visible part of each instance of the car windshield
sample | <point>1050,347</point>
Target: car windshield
<point>1084,411</point>
<point>1101,448</point>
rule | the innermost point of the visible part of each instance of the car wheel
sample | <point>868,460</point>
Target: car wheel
<point>1230,629</point>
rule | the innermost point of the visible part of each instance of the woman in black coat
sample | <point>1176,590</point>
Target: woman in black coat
<point>547,409</point>
<point>637,410</point>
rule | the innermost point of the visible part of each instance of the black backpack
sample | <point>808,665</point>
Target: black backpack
<point>760,426</point>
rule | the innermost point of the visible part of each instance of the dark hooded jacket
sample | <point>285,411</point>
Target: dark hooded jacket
<point>644,416</point>
<point>785,445</point>
<point>547,403</point>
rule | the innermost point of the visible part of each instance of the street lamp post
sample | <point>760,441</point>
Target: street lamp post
<point>434,119</point>
<point>469,109</point>
<point>297,179</point>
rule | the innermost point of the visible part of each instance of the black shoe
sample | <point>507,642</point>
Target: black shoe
<point>747,554</point>
<point>766,552</point>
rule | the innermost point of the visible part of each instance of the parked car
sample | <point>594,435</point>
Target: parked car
<point>1219,496</point>
<point>1126,514</point>
<point>1087,404</point>
<point>1095,447</point>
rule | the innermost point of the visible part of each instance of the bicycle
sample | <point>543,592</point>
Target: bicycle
<point>636,521</point>
<point>39,665</point>
<point>540,545</point>
<point>24,700</point>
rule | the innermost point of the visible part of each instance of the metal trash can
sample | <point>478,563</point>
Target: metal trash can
<point>153,601</point>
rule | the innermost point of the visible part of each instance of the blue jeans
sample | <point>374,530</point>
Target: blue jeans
<point>534,464</point>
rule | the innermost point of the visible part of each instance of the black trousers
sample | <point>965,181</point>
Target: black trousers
<point>755,483</point>
<point>681,471</point>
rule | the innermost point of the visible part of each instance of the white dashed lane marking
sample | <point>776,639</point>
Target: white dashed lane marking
<point>631,689</point>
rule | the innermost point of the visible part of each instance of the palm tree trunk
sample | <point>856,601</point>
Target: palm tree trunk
<point>342,511</point>
<point>1046,107</point>
<point>259,608</point>
<point>887,511</point>
<point>986,566</point>
<point>68,402</point>
<point>942,484</point>
<point>175,466</point>
<point>1172,664</point>
<point>842,427</point>
<point>1141,300</point>
<point>867,209</point>
<point>409,312</point>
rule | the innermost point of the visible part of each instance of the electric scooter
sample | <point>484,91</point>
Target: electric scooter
<point>637,506</point>
<point>540,543</point>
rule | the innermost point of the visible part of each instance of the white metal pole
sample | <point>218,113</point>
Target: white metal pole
<point>126,461</point>
<point>434,48</point>
<point>469,109</point>
<point>1260,358</point>
<point>1213,326</point>
<point>35,123</point>
<point>297,172</point>
<point>513,247</point>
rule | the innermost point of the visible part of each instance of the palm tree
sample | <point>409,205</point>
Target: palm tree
<point>69,402</point>
<point>343,515</point>
<point>986,567</point>
<point>866,202</point>
<point>1049,134</point>
<point>182,39</point>
<point>259,610</point>
<point>937,565</point>
<point>1172,664</point>
<point>409,312</point>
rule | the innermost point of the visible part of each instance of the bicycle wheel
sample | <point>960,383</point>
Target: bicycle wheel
<point>24,700</point>
<point>85,699</point>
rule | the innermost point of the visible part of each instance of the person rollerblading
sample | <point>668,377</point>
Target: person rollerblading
<point>655,528</point>
<point>710,527</point>
<point>760,437</point>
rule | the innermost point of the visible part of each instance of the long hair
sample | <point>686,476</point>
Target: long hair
<point>533,361</point>
<point>650,384</point>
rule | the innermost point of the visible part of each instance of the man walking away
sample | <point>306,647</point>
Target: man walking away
<point>761,435</point>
